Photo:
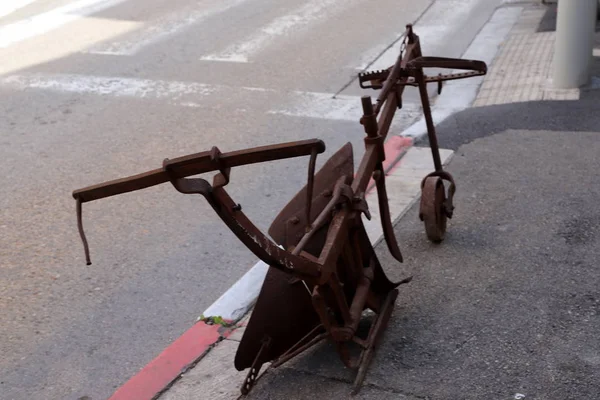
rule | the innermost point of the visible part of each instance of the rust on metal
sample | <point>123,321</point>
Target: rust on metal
<point>323,270</point>
<point>409,71</point>
<point>432,209</point>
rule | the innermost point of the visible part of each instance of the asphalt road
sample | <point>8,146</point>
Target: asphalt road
<point>92,91</point>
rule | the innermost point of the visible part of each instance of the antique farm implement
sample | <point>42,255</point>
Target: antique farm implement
<point>323,269</point>
<point>436,207</point>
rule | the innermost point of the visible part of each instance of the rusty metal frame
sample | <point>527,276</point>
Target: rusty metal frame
<point>409,71</point>
<point>345,278</point>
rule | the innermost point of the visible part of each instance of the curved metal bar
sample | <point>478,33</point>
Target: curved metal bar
<point>198,163</point>
<point>231,214</point>
<point>189,165</point>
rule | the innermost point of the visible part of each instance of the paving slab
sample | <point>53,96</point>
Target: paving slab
<point>210,379</point>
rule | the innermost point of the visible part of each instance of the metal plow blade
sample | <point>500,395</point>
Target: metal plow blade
<point>288,226</point>
<point>284,313</point>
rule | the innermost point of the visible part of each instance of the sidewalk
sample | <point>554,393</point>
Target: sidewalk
<point>507,307</point>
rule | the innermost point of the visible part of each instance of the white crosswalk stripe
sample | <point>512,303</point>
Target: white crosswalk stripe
<point>193,94</point>
<point>324,106</point>
<point>111,86</point>
<point>39,24</point>
<point>171,24</point>
<point>8,7</point>
<point>311,12</point>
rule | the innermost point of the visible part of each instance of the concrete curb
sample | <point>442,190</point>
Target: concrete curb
<point>236,302</point>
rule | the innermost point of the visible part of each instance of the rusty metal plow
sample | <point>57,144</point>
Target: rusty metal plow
<point>435,205</point>
<point>323,272</point>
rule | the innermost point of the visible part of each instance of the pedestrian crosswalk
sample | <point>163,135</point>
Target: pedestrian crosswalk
<point>434,26</point>
<point>172,23</point>
<point>310,12</point>
<point>192,94</point>
<point>9,7</point>
<point>281,26</point>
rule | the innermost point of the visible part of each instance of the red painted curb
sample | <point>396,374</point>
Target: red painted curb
<point>166,367</point>
<point>394,148</point>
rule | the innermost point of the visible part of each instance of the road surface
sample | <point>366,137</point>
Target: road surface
<point>92,90</point>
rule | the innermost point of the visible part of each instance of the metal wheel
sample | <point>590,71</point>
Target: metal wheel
<point>433,213</point>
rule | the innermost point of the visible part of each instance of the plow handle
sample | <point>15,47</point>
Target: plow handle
<point>198,163</point>
<point>450,63</point>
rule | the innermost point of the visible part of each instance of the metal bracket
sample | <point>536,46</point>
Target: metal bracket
<point>222,178</point>
<point>255,368</point>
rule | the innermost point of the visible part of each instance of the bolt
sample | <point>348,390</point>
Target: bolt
<point>237,207</point>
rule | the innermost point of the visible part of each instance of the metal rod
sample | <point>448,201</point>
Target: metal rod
<point>310,186</point>
<point>319,221</point>
<point>360,297</point>
<point>433,143</point>
<point>198,163</point>
<point>297,348</point>
<point>86,248</point>
<point>391,81</point>
<point>375,334</point>
<point>340,297</point>
<point>255,368</point>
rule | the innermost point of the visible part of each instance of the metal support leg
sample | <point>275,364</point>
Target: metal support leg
<point>433,143</point>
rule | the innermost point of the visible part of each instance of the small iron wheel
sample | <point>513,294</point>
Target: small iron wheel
<point>433,213</point>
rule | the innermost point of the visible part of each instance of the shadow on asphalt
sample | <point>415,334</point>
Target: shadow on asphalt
<point>581,115</point>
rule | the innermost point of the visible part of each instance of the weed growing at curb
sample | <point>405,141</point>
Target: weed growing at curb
<point>216,320</point>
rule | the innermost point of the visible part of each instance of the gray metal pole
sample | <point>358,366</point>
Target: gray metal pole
<point>574,44</point>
